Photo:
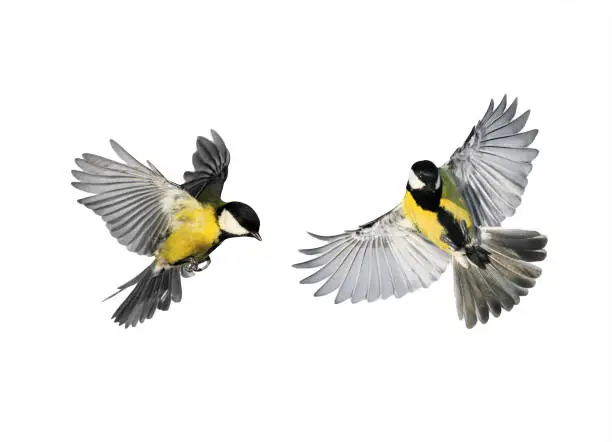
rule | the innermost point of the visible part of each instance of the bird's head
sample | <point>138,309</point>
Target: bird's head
<point>239,219</point>
<point>423,176</point>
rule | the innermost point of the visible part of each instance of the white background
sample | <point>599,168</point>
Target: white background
<point>324,108</point>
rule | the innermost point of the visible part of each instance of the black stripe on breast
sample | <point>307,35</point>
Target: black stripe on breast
<point>452,227</point>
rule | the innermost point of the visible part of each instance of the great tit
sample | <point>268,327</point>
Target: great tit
<point>178,225</point>
<point>451,213</point>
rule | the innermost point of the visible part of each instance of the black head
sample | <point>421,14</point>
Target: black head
<point>239,219</point>
<point>423,176</point>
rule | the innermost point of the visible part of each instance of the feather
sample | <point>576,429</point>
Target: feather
<point>492,166</point>
<point>382,258</point>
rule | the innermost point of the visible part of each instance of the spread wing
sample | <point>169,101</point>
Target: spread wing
<point>210,162</point>
<point>135,201</point>
<point>491,167</point>
<point>382,258</point>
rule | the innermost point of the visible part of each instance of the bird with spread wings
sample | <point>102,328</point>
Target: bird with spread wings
<point>450,213</point>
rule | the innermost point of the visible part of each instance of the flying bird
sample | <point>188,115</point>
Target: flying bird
<point>178,225</point>
<point>452,214</point>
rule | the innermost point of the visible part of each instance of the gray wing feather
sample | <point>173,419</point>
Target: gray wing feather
<point>382,258</point>
<point>131,198</point>
<point>127,158</point>
<point>374,289</point>
<point>492,166</point>
<point>210,162</point>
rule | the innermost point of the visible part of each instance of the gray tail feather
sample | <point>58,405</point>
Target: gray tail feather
<point>499,273</point>
<point>154,290</point>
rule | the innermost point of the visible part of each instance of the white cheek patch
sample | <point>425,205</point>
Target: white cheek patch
<point>228,223</point>
<point>414,181</point>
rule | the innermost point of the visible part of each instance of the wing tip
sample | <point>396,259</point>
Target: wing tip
<point>531,136</point>
<point>298,265</point>
<point>119,150</point>
<point>310,280</point>
<point>326,238</point>
<point>514,103</point>
<point>204,141</point>
<point>81,186</point>
<point>470,324</point>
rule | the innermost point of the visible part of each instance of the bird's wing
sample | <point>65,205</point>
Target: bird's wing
<point>136,201</point>
<point>385,257</point>
<point>491,167</point>
<point>210,162</point>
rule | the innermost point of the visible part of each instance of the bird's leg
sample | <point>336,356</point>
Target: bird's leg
<point>189,267</point>
<point>466,232</point>
<point>192,265</point>
<point>206,262</point>
<point>445,239</point>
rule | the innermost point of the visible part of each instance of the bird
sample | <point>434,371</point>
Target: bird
<point>178,225</point>
<point>451,213</point>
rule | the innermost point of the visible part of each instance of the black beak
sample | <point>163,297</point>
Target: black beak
<point>256,235</point>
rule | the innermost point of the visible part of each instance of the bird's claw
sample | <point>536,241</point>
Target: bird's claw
<point>187,270</point>
<point>206,263</point>
<point>190,268</point>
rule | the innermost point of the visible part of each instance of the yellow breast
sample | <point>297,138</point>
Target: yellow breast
<point>425,221</point>
<point>194,231</point>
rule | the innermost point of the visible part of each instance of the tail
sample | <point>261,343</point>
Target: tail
<point>155,289</point>
<point>497,272</point>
